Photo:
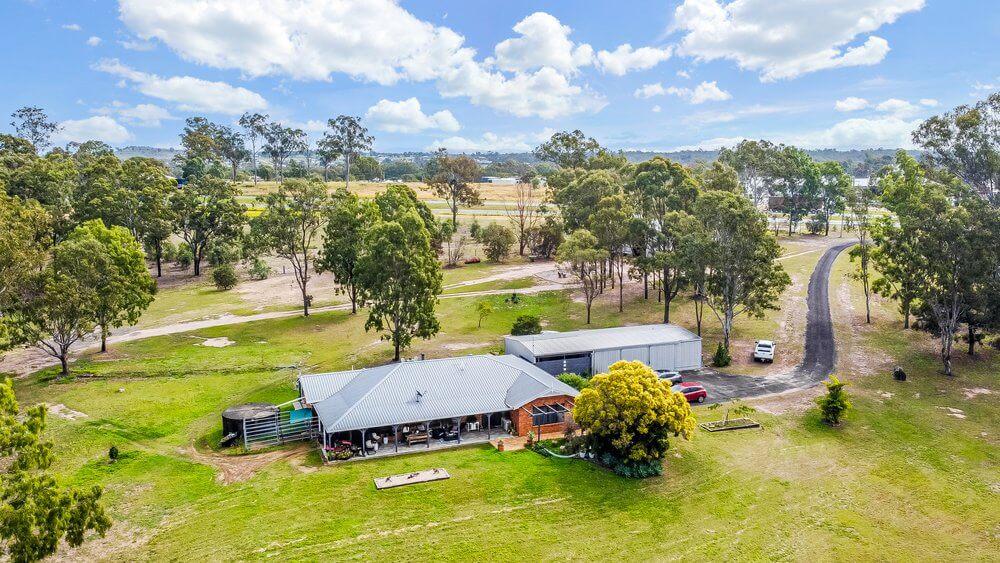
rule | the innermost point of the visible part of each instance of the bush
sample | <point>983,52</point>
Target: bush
<point>184,257</point>
<point>113,454</point>
<point>526,324</point>
<point>573,380</point>
<point>223,253</point>
<point>259,270</point>
<point>168,251</point>
<point>496,240</point>
<point>721,358</point>
<point>815,225</point>
<point>475,229</point>
<point>631,469</point>
<point>225,277</point>
<point>834,404</point>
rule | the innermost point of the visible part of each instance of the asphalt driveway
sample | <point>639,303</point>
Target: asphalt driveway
<point>820,358</point>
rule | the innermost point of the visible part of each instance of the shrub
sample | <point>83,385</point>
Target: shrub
<point>573,380</point>
<point>631,469</point>
<point>629,415</point>
<point>113,454</point>
<point>496,240</point>
<point>526,324</point>
<point>168,251</point>
<point>815,225</point>
<point>721,358</point>
<point>259,270</point>
<point>834,404</point>
<point>225,277</point>
<point>223,253</point>
<point>184,257</point>
<point>475,229</point>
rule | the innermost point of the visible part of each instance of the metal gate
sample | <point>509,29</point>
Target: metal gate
<point>278,429</point>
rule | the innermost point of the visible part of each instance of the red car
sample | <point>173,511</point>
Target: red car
<point>693,391</point>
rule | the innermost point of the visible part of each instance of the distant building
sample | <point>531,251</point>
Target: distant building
<point>500,180</point>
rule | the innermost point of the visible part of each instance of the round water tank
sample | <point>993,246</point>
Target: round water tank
<point>233,417</point>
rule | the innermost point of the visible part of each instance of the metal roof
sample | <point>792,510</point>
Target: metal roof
<point>588,340</point>
<point>424,390</point>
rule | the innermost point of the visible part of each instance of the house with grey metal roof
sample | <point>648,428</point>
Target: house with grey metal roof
<point>592,351</point>
<point>423,402</point>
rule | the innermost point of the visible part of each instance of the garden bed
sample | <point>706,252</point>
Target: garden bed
<point>731,424</point>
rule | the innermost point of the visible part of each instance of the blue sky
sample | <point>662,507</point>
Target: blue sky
<point>504,75</point>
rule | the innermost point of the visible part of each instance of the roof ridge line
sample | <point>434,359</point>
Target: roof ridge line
<point>369,392</point>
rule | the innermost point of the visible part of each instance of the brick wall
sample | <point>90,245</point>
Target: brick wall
<point>522,416</point>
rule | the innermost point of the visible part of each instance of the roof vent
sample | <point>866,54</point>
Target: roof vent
<point>418,397</point>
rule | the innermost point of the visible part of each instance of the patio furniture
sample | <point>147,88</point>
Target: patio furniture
<point>451,436</point>
<point>416,438</point>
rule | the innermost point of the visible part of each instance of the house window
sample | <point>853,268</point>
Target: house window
<point>548,414</point>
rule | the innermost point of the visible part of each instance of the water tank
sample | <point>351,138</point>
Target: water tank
<point>233,417</point>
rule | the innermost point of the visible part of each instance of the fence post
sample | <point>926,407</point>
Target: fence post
<point>246,444</point>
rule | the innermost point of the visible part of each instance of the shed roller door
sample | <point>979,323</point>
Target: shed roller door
<point>603,360</point>
<point>640,354</point>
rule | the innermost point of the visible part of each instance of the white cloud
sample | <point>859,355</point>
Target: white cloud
<point>491,142</point>
<point>544,41</point>
<point>787,38</point>
<point>980,86</point>
<point>71,27</point>
<point>929,102</point>
<point>683,74</point>
<point>650,90</point>
<point>96,128</point>
<point>704,92</point>
<point>143,115</point>
<point>709,117</point>
<point>374,41</point>
<point>137,45</point>
<point>93,41</point>
<point>625,59</point>
<point>860,133</point>
<point>657,109</point>
<point>405,116</point>
<point>189,93</point>
<point>897,107</point>
<point>851,103</point>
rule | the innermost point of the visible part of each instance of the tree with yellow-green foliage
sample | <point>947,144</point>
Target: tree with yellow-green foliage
<point>628,415</point>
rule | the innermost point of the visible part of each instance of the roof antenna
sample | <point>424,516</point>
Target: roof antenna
<point>419,396</point>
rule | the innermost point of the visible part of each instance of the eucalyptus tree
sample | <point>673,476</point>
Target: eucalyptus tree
<point>568,149</point>
<point>664,193</point>
<point>966,141</point>
<point>859,204</point>
<point>290,225</point>
<point>398,273</point>
<point>231,147</point>
<point>33,124</point>
<point>453,181</point>
<point>206,211</point>
<point>753,162</point>
<point>255,125</point>
<point>24,241</point>
<point>832,188</point>
<point>583,255</point>
<point>282,142</point>
<point>610,224</point>
<point>348,138</point>
<point>347,219</point>
<point>742,276</point>
<point>123,285</point>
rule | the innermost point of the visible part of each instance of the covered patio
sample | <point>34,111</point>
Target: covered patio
<point>418,436</point>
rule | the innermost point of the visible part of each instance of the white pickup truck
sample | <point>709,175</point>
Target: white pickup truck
<point>763,351</point>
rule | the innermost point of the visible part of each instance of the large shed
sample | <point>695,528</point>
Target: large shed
<point>660,346</point>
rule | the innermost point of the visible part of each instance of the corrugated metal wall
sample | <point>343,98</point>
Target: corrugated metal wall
<point>516,348</point>
<point>677,356</point>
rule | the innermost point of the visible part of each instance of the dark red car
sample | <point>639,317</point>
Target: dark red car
<point>693,391</point>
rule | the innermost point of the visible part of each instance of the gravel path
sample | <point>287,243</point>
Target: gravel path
<point>820,347</point>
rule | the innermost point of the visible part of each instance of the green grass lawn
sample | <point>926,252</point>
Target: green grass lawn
<point>902,479</point>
